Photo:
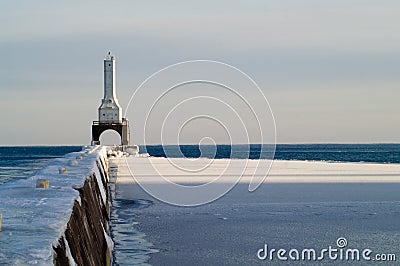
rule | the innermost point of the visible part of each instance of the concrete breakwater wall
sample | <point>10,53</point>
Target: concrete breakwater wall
<point>60,215</point>
<point>86,238</point>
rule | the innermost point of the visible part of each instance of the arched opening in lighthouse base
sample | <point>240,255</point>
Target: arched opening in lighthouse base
<point>121,128</point>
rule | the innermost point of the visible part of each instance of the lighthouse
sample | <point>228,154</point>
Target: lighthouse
<point>110,112</point>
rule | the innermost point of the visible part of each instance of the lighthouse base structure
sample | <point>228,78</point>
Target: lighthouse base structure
<point>121,128</point>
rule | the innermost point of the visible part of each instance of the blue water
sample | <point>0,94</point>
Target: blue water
<point>372,153</point>
<point>282,214</point>
<point>23,161</point>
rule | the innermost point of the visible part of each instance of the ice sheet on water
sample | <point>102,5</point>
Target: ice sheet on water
<point>34,219</point>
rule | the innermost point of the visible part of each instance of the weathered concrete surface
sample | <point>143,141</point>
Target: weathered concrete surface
<point>85,239</point>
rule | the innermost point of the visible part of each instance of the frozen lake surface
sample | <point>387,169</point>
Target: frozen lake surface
<point>300,205</point>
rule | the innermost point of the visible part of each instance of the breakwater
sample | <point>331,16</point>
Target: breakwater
<point>86,240</point>
<point>60,215</point>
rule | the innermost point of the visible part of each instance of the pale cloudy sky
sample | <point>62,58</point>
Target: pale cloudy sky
<point>330,69</point>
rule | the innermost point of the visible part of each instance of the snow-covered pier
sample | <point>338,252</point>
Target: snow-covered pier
<point>65,223</point>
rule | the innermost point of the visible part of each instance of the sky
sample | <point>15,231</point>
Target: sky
<point>329,69</point>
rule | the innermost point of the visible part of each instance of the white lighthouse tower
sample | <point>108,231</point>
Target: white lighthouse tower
<point>110,111</point>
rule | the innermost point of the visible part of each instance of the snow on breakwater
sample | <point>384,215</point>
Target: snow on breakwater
<point>66,223</point>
